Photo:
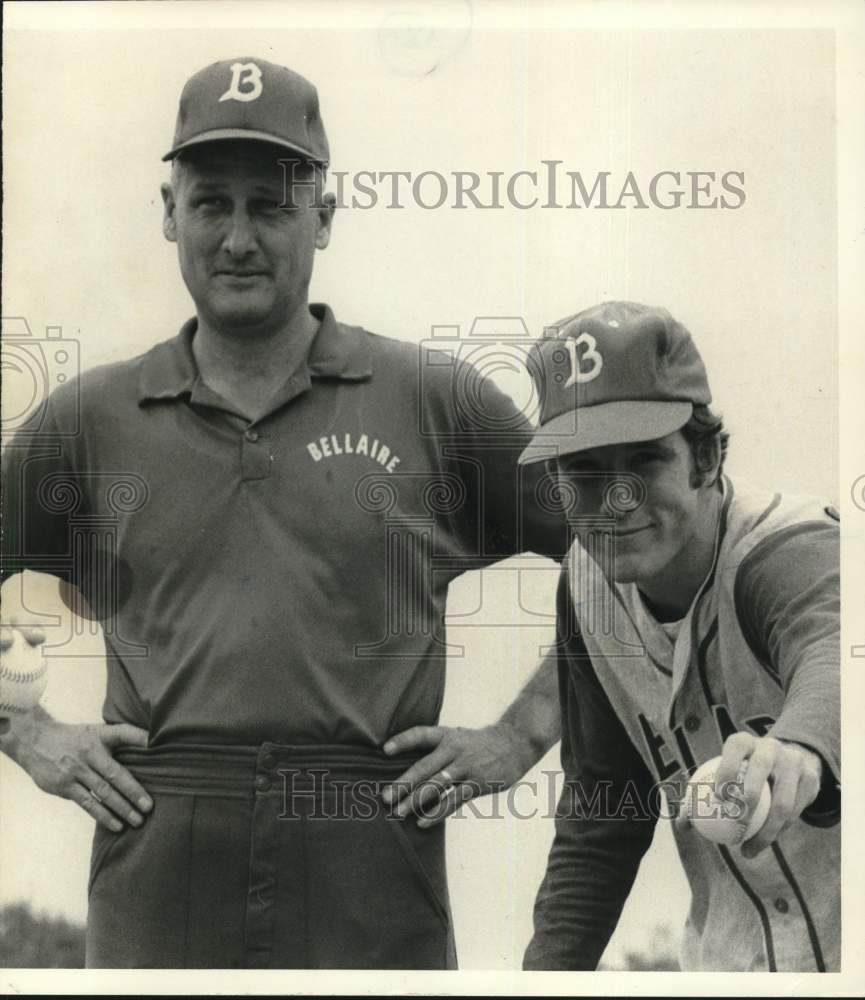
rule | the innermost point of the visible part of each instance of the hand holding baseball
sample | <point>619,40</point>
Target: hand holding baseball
<point>793,771</point>
<point>22,669</point>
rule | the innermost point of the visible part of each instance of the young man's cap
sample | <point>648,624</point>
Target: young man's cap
<point>616,373</point>
<point>251,99</point>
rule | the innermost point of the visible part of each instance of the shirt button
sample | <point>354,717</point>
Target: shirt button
<point>262,784</point>
<point>268,761</point>
<point>781,905</point>
<point>251,436</point>
<point>692,723</point>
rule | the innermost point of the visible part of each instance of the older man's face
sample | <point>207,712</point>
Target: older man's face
<point>246,260</point>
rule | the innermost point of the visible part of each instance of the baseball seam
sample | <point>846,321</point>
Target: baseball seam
<point>6,708</point>
<point>23,676</point>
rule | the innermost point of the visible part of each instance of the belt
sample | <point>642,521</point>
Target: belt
<point>239,771</point>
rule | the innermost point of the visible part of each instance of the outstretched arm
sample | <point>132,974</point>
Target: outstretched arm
<point>787,600</point>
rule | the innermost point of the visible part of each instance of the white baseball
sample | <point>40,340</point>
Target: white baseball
<point>23,675</point>
<point>722,821</point>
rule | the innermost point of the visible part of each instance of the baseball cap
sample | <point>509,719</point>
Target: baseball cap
<point>612,374</point>
<point>252,99</point>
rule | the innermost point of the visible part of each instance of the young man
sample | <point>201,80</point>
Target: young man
<point>696,617</point>
<point>265,513</point>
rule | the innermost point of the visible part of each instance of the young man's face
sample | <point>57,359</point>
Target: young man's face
<point>660,534</point>
<point>246,261</point>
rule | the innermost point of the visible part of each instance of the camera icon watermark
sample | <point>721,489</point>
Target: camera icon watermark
<point>467,368</point>
<point>32,367</point>
<point>488,378</point>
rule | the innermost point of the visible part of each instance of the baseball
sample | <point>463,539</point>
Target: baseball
<point>722,821</point>
<point>23,674</point>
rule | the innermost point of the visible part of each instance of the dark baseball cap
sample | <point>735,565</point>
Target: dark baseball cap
<point>616,373</point>
<point>251,99</point>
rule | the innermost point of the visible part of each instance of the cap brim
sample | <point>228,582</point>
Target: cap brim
<point>618,422</point>
<point>222,134</point>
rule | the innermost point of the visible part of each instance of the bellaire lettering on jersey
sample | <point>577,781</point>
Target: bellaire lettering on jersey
<point>349,443</point>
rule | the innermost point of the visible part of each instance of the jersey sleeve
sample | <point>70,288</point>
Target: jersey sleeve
<point>40,490</point>
<point>788,603</point>
<point>605,818</point>
<point>510,508</point>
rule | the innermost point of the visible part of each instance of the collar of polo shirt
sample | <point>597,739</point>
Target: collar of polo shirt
<point>337,351</point>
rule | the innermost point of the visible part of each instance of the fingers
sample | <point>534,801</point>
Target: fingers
<point>416,738</point>
<point>780,813</point>
<point>123,734</point>
<point>809,785</point>
<point>761,765</point>
<point>422,770</point>
<point>795,777</point>
<point>117,788</point>
<point>737,748</point>
<point>414,787</point>
<point>32,633</point>
<point>82,796</point>
<point>92,778</point>
<point>35,636</point>
<point>681,816</point>
<point>427,793</point>
<point>113,786</point>
<point>449,801</point>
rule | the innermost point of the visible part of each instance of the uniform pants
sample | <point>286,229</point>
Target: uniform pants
<point>268,857</point>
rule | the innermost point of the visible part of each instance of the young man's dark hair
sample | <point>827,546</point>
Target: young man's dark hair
<point>708,441</point>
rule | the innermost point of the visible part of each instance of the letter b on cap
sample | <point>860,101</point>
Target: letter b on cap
<point>246,75</point>
<point>591,354</point>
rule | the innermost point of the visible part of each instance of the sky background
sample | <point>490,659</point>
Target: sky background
<point>89,113</point>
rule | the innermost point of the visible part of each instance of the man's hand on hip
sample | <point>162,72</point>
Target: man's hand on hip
<point>76,762</point>
<point>461,765</point>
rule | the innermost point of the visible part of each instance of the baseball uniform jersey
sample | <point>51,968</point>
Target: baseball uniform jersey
<point>645,705</point>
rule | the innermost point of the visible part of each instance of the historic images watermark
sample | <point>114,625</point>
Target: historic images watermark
<point>316,793</point>
<point>550,185</point>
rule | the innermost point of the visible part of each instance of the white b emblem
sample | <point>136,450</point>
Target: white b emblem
<point>591,354</point>
<point>243,74</point>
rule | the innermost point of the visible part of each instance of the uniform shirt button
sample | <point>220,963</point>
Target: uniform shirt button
<point>692,723</point>
<point>781,905</point>
<point>262,783</point>
<point>251,436</point>
<point>268,761</point>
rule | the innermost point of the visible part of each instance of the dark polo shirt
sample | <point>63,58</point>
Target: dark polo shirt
<point>282,580</point>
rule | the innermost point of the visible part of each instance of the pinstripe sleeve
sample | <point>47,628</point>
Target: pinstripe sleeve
<point>596,851</point>
<point>787,600</point>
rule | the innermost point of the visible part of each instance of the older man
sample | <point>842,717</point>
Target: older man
<point>283,530</point>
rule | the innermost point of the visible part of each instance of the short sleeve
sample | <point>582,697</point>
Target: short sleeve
<point>40,489</point>
<point>510,507</point>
